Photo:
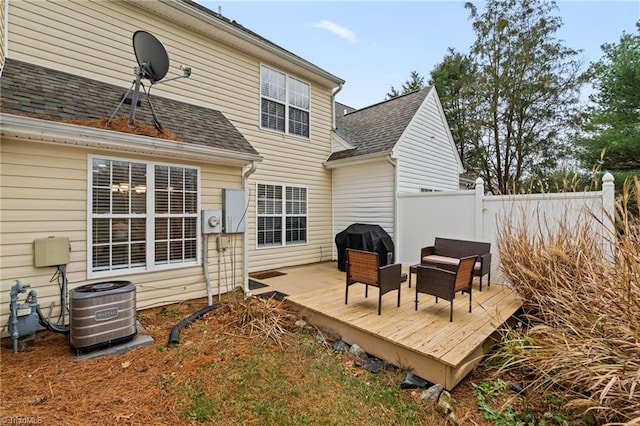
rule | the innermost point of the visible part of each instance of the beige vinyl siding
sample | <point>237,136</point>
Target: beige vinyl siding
<point>296,161</point>
<point>93,39</point>
<point>364,193</point>
<point>44,193</point>
<point>426,156</point>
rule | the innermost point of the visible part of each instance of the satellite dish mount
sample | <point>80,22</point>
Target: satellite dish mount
<point>153,65</point>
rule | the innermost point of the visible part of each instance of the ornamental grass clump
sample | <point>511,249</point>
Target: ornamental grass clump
<point>581,293</point>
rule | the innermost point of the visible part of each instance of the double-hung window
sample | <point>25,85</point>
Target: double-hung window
<point>282,215</point>
<point>284,102</point>
<point>143,216</point>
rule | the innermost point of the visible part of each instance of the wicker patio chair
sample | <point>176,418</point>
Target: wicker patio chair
<point>362,267</point>
<point>442,283</point>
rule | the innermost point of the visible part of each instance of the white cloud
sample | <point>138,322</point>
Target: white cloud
<point>340,31</point>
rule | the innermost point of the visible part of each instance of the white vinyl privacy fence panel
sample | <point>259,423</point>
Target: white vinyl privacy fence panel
<point>471,215</point>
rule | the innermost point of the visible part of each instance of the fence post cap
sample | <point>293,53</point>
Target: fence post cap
<point>608,177</point>
<point>479,181</point>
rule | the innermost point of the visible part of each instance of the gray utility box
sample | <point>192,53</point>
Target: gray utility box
<point>102,314</point>
<point>234,211</point>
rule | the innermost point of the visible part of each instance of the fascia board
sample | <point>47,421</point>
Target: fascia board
<point>360,159</point>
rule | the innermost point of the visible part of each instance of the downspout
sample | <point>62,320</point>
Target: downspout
<point>333,128</point>
<point>333,104</point>
<point>6,35</point>
<point>245,241</point>
<point>396,236</point>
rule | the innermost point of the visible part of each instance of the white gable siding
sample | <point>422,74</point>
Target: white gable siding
<point>426,155</point>
<point>364,193</point>
<point>93,39</point>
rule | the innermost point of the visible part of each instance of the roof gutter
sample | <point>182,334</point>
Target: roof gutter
<point>52,132</point>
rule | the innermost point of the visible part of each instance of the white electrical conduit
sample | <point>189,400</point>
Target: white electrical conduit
<point>219,270</point>
<point>205,266</point>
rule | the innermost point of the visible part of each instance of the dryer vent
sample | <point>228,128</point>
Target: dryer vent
<point>102,314</point>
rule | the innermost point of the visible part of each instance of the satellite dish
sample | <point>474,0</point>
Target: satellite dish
<point>151,55</point>
<point>153,65</point>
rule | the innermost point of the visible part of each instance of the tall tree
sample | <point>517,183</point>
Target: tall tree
<point>525,91</point>
<point>453,78</point>
<point>415,82</point>
<point>613,121</point>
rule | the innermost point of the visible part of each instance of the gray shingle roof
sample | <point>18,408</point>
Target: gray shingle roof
<point>30,89</point>
<point>377,128</point>
<point>342,109</point>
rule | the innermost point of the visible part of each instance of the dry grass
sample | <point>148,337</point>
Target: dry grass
<point>260,318</point>
<point>582,311</point>
<point>121,124</point>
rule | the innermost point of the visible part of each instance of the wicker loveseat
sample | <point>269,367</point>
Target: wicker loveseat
<point>446,253</point>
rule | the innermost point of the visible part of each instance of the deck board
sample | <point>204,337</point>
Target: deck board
<point>423,340</point>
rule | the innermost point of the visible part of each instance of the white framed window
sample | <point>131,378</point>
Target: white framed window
<point>284,102</point>
<point>143,216</point>
<point>282,215</point>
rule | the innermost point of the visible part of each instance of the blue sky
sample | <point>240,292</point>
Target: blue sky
<point>373,45</point>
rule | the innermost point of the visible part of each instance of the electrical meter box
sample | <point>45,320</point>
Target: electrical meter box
<point>234,211</point>
<point>52,251</point>
<point>211,221</point>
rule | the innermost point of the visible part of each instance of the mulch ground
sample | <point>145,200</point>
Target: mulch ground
<point>47,385</point>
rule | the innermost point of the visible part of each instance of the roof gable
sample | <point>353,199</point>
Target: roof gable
<point>33,90</point>
<point>197,17</point>
<point>378,128</point>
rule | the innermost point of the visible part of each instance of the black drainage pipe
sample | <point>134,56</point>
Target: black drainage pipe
<point>174,336</point>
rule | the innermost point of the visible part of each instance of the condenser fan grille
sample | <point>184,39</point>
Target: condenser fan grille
<point>104,286</point>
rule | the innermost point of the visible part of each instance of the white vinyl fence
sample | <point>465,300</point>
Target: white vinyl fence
<point>472,215</point>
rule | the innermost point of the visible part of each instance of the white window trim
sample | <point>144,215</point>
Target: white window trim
<point>150,230</point>
<point>286,104</point>
<point>283,215</point>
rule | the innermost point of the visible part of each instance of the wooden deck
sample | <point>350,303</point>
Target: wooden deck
<point>424,340</point>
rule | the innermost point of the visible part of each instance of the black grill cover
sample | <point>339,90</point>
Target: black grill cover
<point>365,237</point>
